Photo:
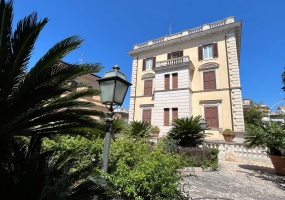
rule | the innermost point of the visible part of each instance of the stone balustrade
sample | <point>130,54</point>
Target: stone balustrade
<point>186,32</point>
<point>173,61</point>
<point>238,152</point>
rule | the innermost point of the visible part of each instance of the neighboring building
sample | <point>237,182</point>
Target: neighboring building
<point>121,113</point>
<point>247,105</point>
<point>194,72</point>
<point>89,80</point>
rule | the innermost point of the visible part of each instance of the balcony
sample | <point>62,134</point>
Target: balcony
<point>173,63</point>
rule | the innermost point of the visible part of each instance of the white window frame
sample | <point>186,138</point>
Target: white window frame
<point>207,51</point>
<point>148,63</point>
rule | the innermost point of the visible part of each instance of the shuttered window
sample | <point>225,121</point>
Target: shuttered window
<point>166,82</point>
<point>208,51</point>
<point>212,117</point>
<point>209,79</point>
<point>175,54</point>
<point>166,116</point>
<point>175,81</point>
<point>147,87</point>
<point>146,117</point>
<point>149,63</point>
<point>174,113</point>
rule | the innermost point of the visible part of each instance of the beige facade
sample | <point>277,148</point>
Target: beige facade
<point>90,80</point>
<point>193,72</point>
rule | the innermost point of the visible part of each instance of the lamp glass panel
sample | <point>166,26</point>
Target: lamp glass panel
<point>107,90</point>
<point>121,89</point>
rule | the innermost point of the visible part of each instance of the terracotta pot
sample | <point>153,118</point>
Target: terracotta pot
<point>278,163</point>
<point>228,138</point>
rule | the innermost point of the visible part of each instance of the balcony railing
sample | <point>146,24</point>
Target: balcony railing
<point>173,61</point>
<point>186,32</point>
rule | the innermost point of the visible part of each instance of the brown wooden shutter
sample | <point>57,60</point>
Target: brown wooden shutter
<point>148,87</point>
<point>181,53</point>
<point>143,68</point>
<point>212,117</point>
<point>206,80</point>
<point>174,113</point>
<point>200,53</point>
<point>215,50</point>
<point>209,79</point>
<point>168,56</point>
<point>166,116</point>
<point>153,62</point>
<point>175,81</point>
<point>146,115</point>
<point>166,82</point>
<point>212,80</point>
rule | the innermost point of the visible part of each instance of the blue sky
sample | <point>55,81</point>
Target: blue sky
<point>110,28</point>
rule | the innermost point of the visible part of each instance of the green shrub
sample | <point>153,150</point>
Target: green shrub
<point>139,172</point>
<point>200,157</point>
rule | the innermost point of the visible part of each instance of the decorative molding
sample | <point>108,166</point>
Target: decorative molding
<point>205,30</point>
<point>146,105</point>
<point>211,101</point>
<point>177,89</point>
<point>148,76</point>
<point>209,65</point>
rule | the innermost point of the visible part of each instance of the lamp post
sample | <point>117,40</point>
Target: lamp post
<point>203,125</point>
<point>113,87</point>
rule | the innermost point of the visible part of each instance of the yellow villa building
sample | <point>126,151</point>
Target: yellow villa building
<point>193,72</point>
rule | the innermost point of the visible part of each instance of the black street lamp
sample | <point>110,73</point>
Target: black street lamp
<point>203,126</point>
<point>113,87</point>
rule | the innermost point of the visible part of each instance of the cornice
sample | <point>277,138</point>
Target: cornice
<point>223,26</point>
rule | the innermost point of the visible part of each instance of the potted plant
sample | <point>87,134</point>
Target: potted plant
<point>155,131</point>
<point>228,135</point>
<point>272,138</point>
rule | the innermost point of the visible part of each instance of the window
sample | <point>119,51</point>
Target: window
<point>146,116</point>
<point>149,63</point>
<point>175,81</point>
<point>174,113</point>
<point>208,51</point>
<point>209,79</point>
<point>166,82</point>
<point>166,116</point>
<point>211,116</point>
<point>147,87</point>
<point>175,54</point>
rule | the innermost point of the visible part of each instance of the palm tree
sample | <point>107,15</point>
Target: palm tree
<point>36,104</point>
<point>39,102</point>
<point>187,131</point>
<point>139,129</point>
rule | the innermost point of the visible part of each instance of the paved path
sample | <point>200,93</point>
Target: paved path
<point>235,181</point>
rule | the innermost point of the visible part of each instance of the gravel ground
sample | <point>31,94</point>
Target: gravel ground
<point>235,181</point>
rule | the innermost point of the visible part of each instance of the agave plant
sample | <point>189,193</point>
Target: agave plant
<point>187,131</point>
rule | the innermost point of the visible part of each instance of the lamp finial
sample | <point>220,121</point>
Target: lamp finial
<point>116,67</point>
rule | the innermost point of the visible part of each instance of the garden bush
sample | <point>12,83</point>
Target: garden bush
<point>138,171</point>
<point>200,157</point>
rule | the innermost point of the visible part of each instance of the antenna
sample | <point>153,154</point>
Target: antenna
<point>81,59</point>
<point>170,28</point>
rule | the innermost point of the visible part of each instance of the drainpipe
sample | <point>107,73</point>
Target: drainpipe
<point>136,89</point>
<point>229,82</point>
